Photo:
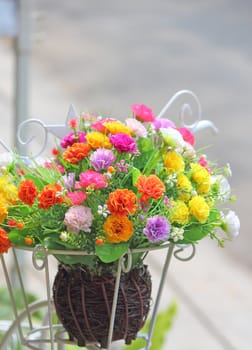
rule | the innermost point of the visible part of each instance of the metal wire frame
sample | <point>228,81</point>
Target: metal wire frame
<point>35,337</point>
<point>50,334</point>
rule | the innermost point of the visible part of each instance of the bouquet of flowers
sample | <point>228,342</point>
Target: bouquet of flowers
<point>111,186</point>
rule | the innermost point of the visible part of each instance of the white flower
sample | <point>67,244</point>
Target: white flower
<point>231,224</point>
<point>224,186</point>
<point>177,234</point>
<point>103,210</point>
<point>64,236</point>
<point>172,137</point>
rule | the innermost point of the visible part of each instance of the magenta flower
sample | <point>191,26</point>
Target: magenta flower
<point>123,143</point>
<point>102,158</point>
<point>93,179</point>
<point>157,229</point>
<point>143,113</point>
<point>72,138</point>
<point>78,218</point>
<point>187,135</point>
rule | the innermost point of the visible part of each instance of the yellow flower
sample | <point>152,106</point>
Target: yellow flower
<point>199,209</point>
<point>8,191</point>
<point>116,127</point>
<point>184,187</point>
<point>97,140</point>
<point>174,162</point>
<point>3,210</point>
<point>202,177</point>
<point>179,213</point>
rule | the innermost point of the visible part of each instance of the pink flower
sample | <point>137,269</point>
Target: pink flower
<point>77,197</point>
<point>78,218</point>
<point>99,124</point>
<point>187,135</point>
<point>93,179</point>
<point>143,113</point>
<point>203,162</point>
<point>123,143</point>
<point>136,127</point>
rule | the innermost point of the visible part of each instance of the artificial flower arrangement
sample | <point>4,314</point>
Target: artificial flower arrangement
<point>112,186</point>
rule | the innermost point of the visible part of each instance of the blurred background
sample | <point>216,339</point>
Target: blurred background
<point>103,56</point>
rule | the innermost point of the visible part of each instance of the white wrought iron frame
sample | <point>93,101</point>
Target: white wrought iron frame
<point>53,334</point>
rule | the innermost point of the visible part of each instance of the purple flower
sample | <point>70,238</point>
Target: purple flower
<point>122,167</point>
<point>157,229</point>
<point>102,158</point>
<point>163,123</point>
<point>69,181</point>
<point>123,143</point>
<point>72,138</point>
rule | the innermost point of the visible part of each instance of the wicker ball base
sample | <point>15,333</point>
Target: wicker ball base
<point>83,304</point>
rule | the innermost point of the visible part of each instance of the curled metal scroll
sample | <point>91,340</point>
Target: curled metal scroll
<point>39,257</point>
<point>126,262</point>
<point>59,130</point>
<point>181,248</point>
<point>186,109</point>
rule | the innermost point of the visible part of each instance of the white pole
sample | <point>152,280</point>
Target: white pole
<point>22,50</point>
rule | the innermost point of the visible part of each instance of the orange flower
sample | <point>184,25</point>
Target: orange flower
<point>5,243</point>
<point>75,153</point>
<point>49,196</point>
<point>27,192</point>
<point>150,187</point>
<point>118,229</point>
<point>97,140</point>
<point>122,202</point>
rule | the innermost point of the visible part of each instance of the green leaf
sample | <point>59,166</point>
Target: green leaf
<point>194,233</point>
<point>16,237</point>
<point>87,260</point>
<point>144,145</point>
<point>135,174</point>
<point>109,252</point>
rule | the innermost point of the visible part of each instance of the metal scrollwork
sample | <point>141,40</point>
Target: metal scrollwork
<point>187,110</point>
<point>181,248</point>
<point>127,258</point>
<point>39,257</point>
<point>57,130</point>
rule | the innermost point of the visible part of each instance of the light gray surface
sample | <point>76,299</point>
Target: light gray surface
<point>104,56</point>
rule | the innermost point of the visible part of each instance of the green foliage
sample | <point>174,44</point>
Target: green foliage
<point>109,252</point>
<point>6,307</point>
<point>162,326</point>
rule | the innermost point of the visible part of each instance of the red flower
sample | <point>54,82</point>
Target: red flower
<point>55,152</point>
<point>75,153</point>
<point>49,196</point>
<point>5,243</point>
<point>122,202</point>
<point>11,223</point>
<point>27,192</point>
